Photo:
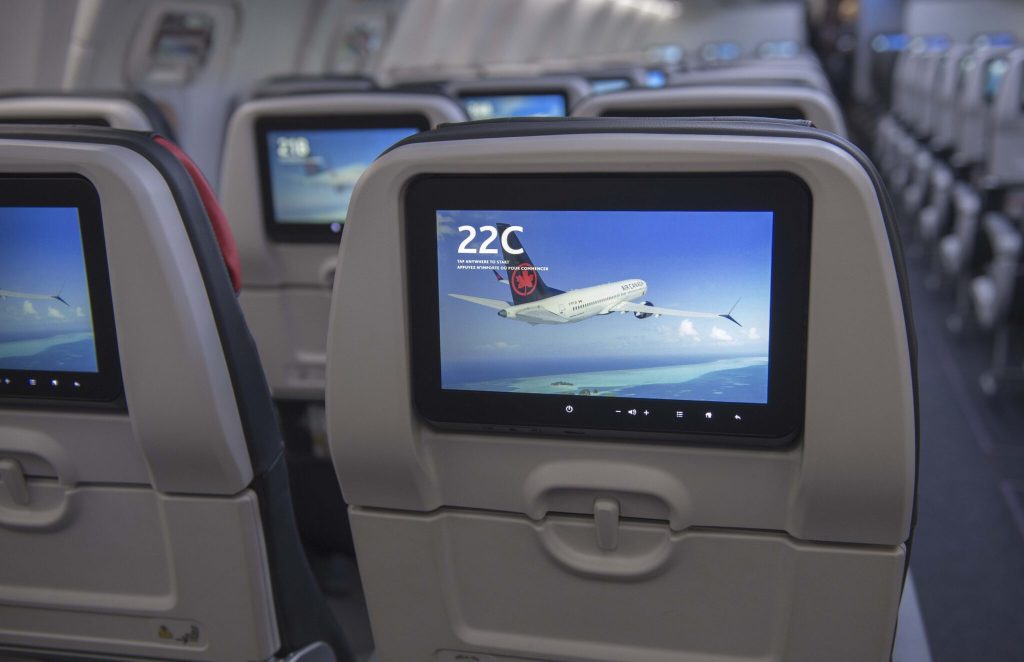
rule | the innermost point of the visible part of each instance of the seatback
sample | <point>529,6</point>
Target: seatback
<point>288,268</point>
<point>1006,146</point>
<point>914,104</point>
<point>900,83</point>
<point>280,86</point>
<point>975,115</point>
<point>753,75</point>
<point>144,503</point>
<point>944,97</point>
<point>605,79</point>
<point>781,101</point>
<point>527,532</point>
<point>928,83</point>
<point>485,98</point>
<point>120,110</point>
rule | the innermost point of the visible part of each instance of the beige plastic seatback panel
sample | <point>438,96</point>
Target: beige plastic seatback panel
<point>723,554</point>
<point>119,113</point>
<point>102,555</point>
<point>269,264</point>
<point>486,584</point>
<point>290,327</point>
<point>386,456</point>
<point>819,108</point>
<point>197,445</point>
<point>117,576</point>
<point>286,286</point>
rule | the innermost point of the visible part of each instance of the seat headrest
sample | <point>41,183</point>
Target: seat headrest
<point>218,220</point>
<point>119,109</point>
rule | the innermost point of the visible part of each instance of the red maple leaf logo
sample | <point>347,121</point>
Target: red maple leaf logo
<point>524,280</point>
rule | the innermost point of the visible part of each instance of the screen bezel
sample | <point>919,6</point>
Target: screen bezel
<point>773,424</point>
<point>302,232</point>
<point>465,95</point>
<point>105,385</point>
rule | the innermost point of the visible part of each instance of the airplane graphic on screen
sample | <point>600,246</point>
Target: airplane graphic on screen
<point>534,302</point>
<point>9,294</point>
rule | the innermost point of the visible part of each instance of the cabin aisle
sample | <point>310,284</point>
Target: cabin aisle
<point>968,554</point>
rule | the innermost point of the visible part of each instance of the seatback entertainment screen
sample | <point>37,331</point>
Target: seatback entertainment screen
<point>45,316</point>
<point>310,166</point>
<point>53,284</point>
<point>606,85</point>
<point>520,312</point>
<point>491,106</point>
<point>995,72</point>
<point>671,305</point>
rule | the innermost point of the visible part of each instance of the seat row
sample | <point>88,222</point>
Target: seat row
<point>951,151</point>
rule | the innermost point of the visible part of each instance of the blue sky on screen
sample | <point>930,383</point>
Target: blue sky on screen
<point>41,253</point>
<point>41,256</point>
<point>702,261</point>
<point>317,189</point>
<point>533,105</point>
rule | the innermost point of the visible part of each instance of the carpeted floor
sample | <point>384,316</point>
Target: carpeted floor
<point>968,552</point>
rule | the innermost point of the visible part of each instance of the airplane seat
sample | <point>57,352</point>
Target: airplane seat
<point>974,108</point>
<point>916,191</point>
<point>891,133</point>
<point>918,157</point>
<point>934,218</point>
<point>545,494</point>
<point>992,292</point>
<point>944,99</point>
<point>780,101</point>
<point>962,253</point>
<point>288,263</point>
<point>997,296</point>
<point>922,83</point>
<point>749,75</point>
<point>956,247</point>
<point>890,126</point>
<point>289,165</point>
<point>291,84</point>
<point>933,221</point>
<point>907,149</point>
<point>131,110</point>
<point>902,83</point>
<point>144,505</point>
<point>1005,151</point>
<point>996,290</point>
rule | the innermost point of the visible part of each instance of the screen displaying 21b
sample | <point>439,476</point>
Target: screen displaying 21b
<point>314,171</point>
<point>514,105</point>
<point>669,305</point>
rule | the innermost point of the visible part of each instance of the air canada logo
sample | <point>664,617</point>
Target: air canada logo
<point>524,279</point>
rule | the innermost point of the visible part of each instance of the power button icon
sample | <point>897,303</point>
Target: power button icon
<point>569,409</point>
